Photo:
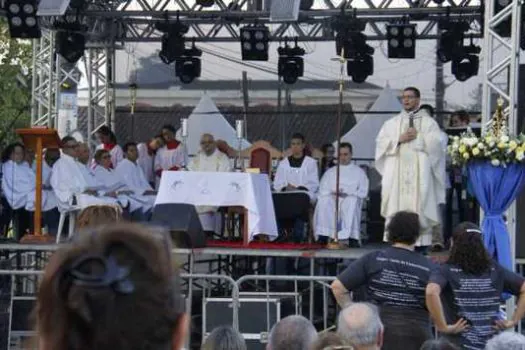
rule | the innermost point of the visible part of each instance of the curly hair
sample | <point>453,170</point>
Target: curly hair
<point>404,227</point>
<point>468,251</point>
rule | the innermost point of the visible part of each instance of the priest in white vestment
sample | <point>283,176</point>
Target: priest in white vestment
<point>409,156</point>
<point>115,186</point>
<point>71,182</point>
<point>172,156</point>
<point>353,190</point>
<point>130,172</point>
<point>209,159</point>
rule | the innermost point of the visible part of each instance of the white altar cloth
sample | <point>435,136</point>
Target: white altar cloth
<point>251,191</point>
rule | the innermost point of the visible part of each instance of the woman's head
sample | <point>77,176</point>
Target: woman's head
<point>97,216</point>
<point>404,227</point>
<point>94,290</point>
<point>103,158</point>
<point>168,133</point>
<point>105,135</point>
<point>14,152</point>
<point>224,338</point>
<point>468,251</point>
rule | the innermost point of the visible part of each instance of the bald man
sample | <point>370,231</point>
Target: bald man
<point>209,159</point>
<point>360,325</point>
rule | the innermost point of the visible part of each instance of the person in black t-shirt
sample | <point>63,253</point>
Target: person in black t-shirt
<point>395,279</point>
<point>470,285</point>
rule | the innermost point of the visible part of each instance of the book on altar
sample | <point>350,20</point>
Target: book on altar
<point>253,170</point>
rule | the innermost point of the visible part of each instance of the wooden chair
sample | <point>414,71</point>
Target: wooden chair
<point>261,159</point>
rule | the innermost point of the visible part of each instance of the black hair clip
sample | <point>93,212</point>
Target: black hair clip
<point>110,275</point>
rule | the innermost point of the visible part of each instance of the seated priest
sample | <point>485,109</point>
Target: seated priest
<point>298,172</point>
<point>19,189</point>
<point>83,154</point>
<point>72,182</point>
<point>353,189</point>
<point>131,173</point>
<point>115,186</point>
<point>209,159</point>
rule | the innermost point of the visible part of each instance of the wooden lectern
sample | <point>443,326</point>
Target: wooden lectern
<point>37,139</point>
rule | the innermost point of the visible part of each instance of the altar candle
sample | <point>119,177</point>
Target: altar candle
<point>184,131</point>
<point>239,127</point>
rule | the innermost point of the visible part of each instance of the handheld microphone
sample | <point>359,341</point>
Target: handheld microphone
<point>411,120</point>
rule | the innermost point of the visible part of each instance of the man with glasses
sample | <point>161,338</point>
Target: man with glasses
<point>72,183</point>
<point>409,155</point>
<point>209,159</point>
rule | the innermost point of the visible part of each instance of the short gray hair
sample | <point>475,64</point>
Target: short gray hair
<point>224,338</point>
<point>359,324</point>
<point>292,333</point>
<point>506,341</point>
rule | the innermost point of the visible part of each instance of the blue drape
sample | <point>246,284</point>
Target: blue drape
<point>495,189</point>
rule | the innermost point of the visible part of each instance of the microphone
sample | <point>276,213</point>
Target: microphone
<point>411,120</point>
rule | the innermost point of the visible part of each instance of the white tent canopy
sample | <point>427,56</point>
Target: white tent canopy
<point>363,135</point>
<point>206,118</point>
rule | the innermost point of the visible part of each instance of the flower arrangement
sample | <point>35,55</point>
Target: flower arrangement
<point>495,145</point>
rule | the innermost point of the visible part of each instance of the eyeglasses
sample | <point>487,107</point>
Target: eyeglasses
<point>408,97</point>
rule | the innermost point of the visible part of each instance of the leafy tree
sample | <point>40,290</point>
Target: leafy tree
<point>15,84</point>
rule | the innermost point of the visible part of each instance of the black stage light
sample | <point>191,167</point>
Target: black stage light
<point>22,19</point>
<point>451,40</point>
<point>172,47</point>
<point>187,69</point>
<point>466,64</point>
<point>205,3</point>
<point>306,5</point>
<point>360,68</point>
<point>254,43</point>
<point>291,63</point>
<point>401,40</point>
<point>70,45</point>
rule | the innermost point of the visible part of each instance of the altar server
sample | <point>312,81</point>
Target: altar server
<point>298,172</point>
<point>71,181</point>
<point>171,156</point>
<point>114,185</point>
<point>130,172</point>
<point>146,156</point>
<point>209,159</point>
<point>408,156</point>
<point>108,142</point>
<point>353,189</point>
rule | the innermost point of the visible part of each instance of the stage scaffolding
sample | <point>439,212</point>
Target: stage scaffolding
<point>111,25</point>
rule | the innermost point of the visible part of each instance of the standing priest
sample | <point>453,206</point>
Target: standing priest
<point>353,189</point>
<point>408,156</point>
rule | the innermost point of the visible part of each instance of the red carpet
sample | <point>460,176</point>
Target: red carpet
<point>264,245</point>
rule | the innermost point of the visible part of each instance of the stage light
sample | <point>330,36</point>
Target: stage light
<point>70,45</point>
<point>466,64</point>
<point>205,3</point>
<point>291,63</point>
<point>360,68</point>
<point>172,47</point>
<point>254,43</point>
<point>401,40</point>
<point>22,19</point>
<point>188,66</point>
<point>306,5</point>
<point>451,40</point>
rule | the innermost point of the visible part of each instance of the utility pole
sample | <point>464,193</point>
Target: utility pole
<point>439,88</point>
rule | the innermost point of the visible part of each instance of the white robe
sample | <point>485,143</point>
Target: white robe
<point>145,161</point>
<point>70,179</point>
<point>19,187</point>
<point>305,176</point>
<point>166,159</point>
<point>112,182</point>
<point>352,181</point>
<point>216,162</point>
<point>46,172</point>
<point>133,177</point>
<point>412,177</point>
<point>116,154</point>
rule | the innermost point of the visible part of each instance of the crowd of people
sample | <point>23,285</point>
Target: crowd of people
<point>114,273</point>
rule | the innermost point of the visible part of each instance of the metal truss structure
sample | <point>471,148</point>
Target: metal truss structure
<point>134,21</point>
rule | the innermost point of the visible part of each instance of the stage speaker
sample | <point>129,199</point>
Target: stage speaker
<point>183,223</point>
<point>520,201</point>
<point>375,225</point>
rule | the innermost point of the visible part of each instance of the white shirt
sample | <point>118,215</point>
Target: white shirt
<point>306,176</point>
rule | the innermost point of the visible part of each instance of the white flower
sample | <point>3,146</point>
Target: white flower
<point>504,138</point>
<point>492,144</point>
<point>481,145</point>
<point>520,156</point>
<point>495,162</point>
<point>471,141</point>
<point>455,146</point>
